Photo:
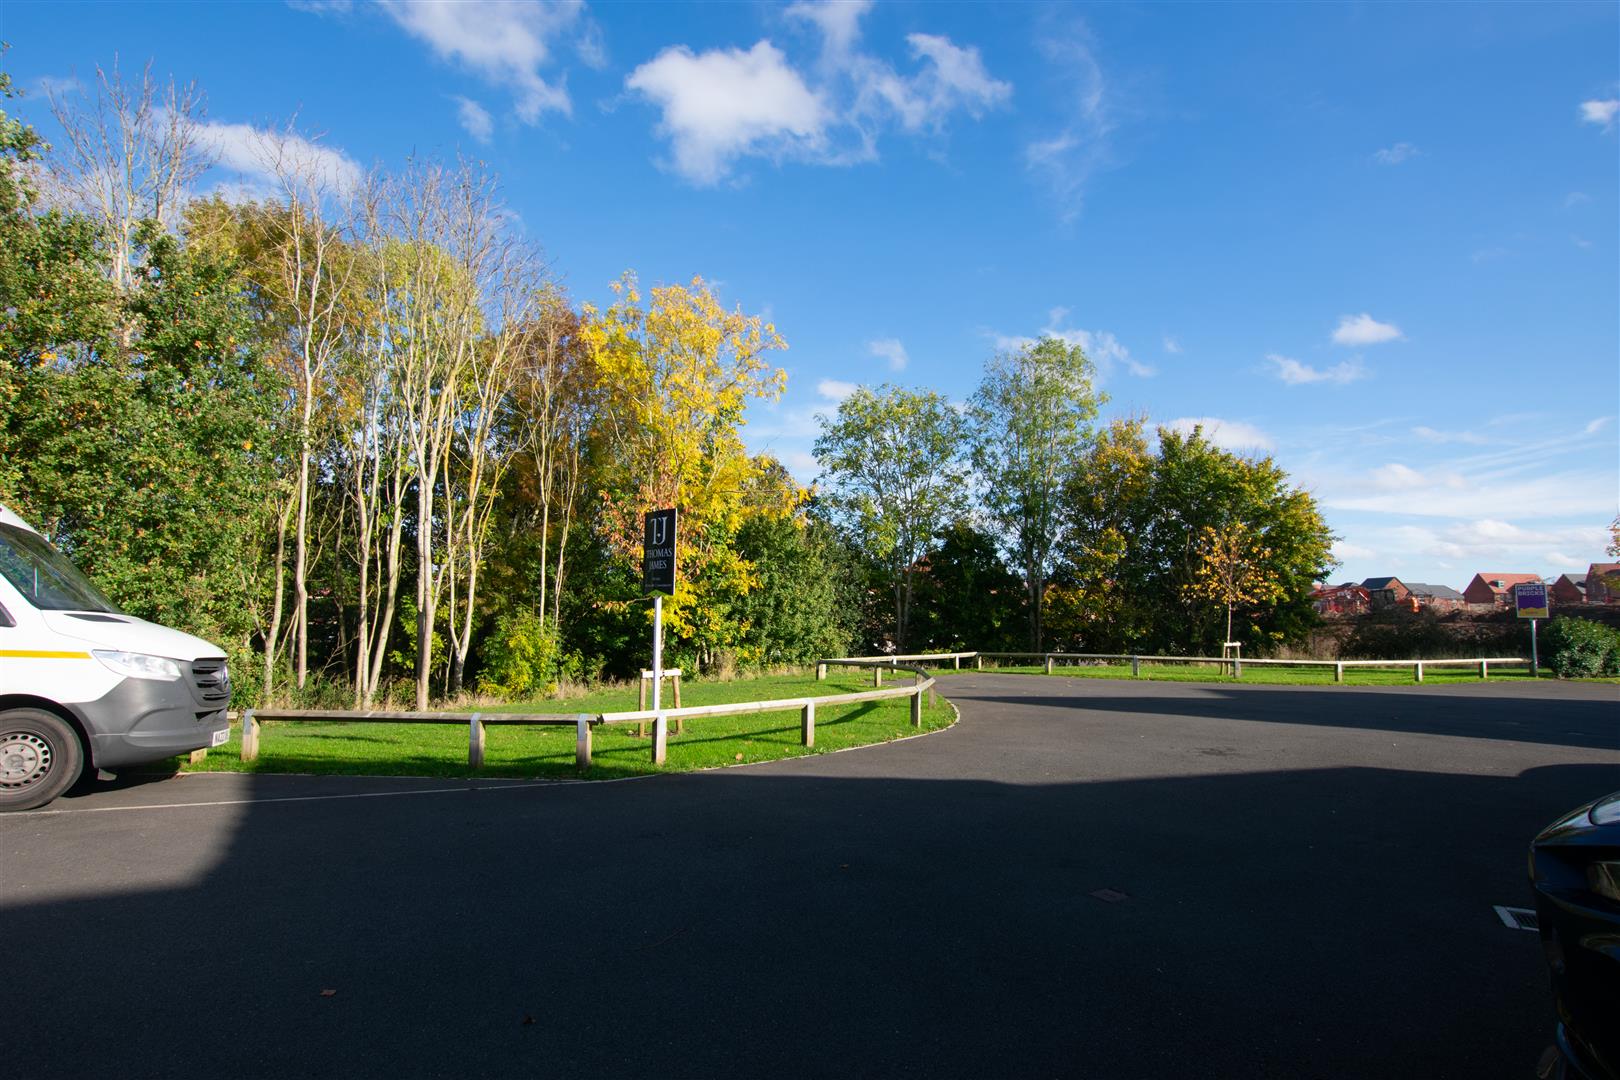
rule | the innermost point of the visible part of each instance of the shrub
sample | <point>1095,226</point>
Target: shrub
<point>522,658</point>
<point>1581,648</point>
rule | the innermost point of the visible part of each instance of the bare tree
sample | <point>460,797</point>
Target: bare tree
<point>130,153</point>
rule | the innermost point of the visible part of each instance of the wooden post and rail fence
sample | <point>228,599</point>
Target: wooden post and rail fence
<point>922,683</point>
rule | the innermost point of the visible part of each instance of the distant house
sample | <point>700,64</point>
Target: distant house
<point>1434,597</point>
<point>1346,599</point>
<point>1568,589</point>
<point>1603,583</point>
<point>1385,592</point>
<point>1489,590</point>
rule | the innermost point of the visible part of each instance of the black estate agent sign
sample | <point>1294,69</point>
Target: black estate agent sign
<point>658,552</point>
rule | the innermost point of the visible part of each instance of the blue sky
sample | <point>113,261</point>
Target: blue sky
<point>1375,241</point>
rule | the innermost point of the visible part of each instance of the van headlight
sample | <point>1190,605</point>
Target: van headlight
<point>136,665</point>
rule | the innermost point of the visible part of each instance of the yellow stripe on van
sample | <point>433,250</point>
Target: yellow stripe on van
<point>43,654</point>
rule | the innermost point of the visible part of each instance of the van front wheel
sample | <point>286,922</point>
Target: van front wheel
<point>40,757</point>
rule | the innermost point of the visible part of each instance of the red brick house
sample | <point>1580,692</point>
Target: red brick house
<point>1568,589</point>
<point>1437,598</point>
<point>1603,583</point>
<point>1496,589</point>
<point>1385,592</point>
<point>1346,599</point>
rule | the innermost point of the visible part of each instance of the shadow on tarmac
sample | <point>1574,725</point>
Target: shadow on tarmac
<point>1298,923</point>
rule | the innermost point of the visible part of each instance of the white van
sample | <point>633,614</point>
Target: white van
<point>84,686</point>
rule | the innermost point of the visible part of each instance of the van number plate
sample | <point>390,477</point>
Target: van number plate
<point>221,737</point>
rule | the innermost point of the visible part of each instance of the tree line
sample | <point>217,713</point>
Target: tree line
<point>353,428</point>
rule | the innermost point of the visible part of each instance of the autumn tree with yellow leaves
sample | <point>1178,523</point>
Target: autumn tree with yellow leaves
<point>1233,568</point>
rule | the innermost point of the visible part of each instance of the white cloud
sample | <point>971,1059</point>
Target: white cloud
<point>1343,550</point>
<point>506,42</point>
<point>1172,346</point>
<point>1105,351</point>
<point>721,105</point>
<point>258,155</point>
<point>1394,155</point>
<point>1600,112</point>
<point>725,103</point>
<point>1069,157</point>
<point>1233,435</point>
<point>1363,329</point>
<point>835,389</point>
<point>889,349</point>
<point>474,119</point>
<point>1431,435</point>
<point>1295,373</point>
<point>1576,198</point>
<point>1594,426</point>
<point>322,7</point>
<point>1398,477</point>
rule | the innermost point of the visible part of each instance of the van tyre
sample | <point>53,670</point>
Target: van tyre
<point>40,757</point>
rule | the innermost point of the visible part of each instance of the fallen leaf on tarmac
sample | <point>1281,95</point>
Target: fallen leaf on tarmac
<point>328,993</point>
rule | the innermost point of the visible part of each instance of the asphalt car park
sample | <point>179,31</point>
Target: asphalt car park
<point>1081,878</point>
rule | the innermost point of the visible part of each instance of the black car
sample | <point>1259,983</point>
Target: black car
<point>1575,870</point>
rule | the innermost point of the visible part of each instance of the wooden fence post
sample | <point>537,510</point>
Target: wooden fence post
<point>956,661</point>
<point>680,721</point>
<point>1484,669</point>
<point>1419,670</point>
<point>916,708</point>
<point>1049,663</point>
<point>660,748</point>
<point>877,674</point>
<point>641,692</point>
<point>250,737</point>
<point>807,724</point>
<point>1338,673</point>
<point>978,662</point>
<point>475,742</point>
<point>821,673</point>
<point>1136,667</point>
<point>582,741</point>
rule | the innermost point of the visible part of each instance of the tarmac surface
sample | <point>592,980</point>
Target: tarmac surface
<point>1081,878</point>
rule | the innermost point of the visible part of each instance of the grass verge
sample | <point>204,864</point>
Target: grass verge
<point>379,749</point>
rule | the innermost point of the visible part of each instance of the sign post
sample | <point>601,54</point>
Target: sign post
<point>658,577</point>
<point>1530,601</point>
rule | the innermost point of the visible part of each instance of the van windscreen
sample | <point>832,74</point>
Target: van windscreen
<point>44,576</point>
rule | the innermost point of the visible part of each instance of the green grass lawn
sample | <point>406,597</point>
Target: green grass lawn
<point>380,749</point>
<point>1268,674</point>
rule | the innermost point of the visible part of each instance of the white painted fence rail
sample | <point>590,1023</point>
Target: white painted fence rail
<point>475,721</point>
<point>1051,659</point>
<point>806,706</point>
<point>583,723</point>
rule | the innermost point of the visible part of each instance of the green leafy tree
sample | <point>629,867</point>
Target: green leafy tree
<point>1031,425</point>
<point>891,461</point>
<point>967,598</point>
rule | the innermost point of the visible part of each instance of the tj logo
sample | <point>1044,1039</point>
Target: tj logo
<point>660,531</point>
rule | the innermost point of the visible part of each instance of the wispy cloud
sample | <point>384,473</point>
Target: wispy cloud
<point>891,350</point>
<point>1394,155</point>
<point>1595,426</point>
<point>505,42</point>
<point>1363,329</point>
<point>835,389</point>
<point>1067,158</point>
<point>1600,112</point>
<point>1233,435</point>
<point>1431,435</point>
<point>1295,373</point>
<point>1576,198</point>
<point>474,119</point>
<point>1172,346</point>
